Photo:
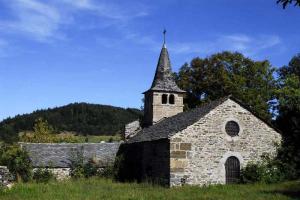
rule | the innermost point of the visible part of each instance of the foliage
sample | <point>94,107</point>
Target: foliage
<point>81,118</point>
<point>71,138</point>
<point>285,3</point>
<point>288,119</point>
<point>90,168</point>
<point>266,171</point>
<point>95,188</point>
<point>17,161</point>
<point>107,172</point>
<point>229,73</point>
<point>50,138</point>
<point>44,133</point>
<point>41,127</point>
<point>43,175</point>
<point>77,164</point>
<point>79,168</point>
<point>8,134</point>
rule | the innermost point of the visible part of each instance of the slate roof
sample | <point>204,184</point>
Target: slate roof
<point>174,124</point>
<point>170,126</point>
<point>164,79</point>
<point>58,155</point>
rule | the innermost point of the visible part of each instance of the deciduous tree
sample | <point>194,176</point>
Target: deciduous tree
<point>285,3</point>
<point>229,73</point>
<point>288,119</point>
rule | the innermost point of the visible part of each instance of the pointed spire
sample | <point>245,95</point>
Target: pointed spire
<point>164,79</point>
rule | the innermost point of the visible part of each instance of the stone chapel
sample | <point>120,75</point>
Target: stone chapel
<point>207,145</point>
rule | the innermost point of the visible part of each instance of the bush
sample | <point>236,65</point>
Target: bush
<point>43,175</point>
<point>266,171</point>
<point>90,168</point>
<point>44,133</point>
<point>107,172</point>
<point>80,169</point>
<point>17,161</point>
<point>77,164</point>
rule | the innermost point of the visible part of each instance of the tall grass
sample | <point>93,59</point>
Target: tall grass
<point>92,189</point>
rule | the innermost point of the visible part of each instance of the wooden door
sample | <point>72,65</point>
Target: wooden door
<point>232,167</point>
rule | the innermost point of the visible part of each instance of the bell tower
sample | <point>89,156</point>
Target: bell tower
<point>164,98</point>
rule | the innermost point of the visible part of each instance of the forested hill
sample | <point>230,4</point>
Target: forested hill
<point>82,118</point>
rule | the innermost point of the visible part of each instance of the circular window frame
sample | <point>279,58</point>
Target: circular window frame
<point>234,128</point>
<point>227,136</point>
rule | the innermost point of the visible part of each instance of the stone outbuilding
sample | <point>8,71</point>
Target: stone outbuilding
<point>206,145</point>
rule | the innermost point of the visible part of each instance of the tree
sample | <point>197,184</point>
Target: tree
<point>229,73</point>
<point>42,132</point>
<point>82,118</point>
<point>288,120</point>
<point>285,3</point>
<point>17,161</point>
<point>41,127</point>
<point>7,133</point>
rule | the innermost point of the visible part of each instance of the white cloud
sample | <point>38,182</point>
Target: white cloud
<point>44,20</point>
<point>108,10</point>
<point>82,4</point>
<point>248,45</point>
<point>33,18</point>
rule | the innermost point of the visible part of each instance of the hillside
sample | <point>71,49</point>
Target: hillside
<point>82,118</point>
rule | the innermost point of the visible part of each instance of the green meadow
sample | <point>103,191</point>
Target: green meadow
<point>96,188</point>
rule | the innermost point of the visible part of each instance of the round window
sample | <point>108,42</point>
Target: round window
<point>232,128</point>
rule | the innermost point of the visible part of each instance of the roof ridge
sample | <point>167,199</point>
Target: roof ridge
<point>176,123</point>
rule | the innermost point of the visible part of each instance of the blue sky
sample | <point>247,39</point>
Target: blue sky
<point>62,51</point>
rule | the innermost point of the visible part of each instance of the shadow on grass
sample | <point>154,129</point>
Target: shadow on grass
<point>292,191</point>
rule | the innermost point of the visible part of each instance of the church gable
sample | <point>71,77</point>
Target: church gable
<point>199,152</point>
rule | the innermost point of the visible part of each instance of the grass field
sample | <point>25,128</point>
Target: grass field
<point>99,138</point>
<point>92,189</point>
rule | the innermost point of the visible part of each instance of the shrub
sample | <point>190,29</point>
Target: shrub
<point>80,169</point>
<point>90,168</point>
<point>107,172</point>
<point>44,133</point>
<point>17,161</point>
<point>77,164</point>
<point>43,175</point>
<point>267,171</point>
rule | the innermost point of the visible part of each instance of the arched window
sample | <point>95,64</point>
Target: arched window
<point>164,99</point>
<point>172,99</point>
<point>232,167</point>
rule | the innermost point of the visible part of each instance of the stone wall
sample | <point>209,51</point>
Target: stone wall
<point>59,155</point>
<point>155,161</point>
<point>156,111</point>
<point>161,111</point>
<point>145,161</point>
<point>198,153</point>
<point>6,178</point>
<point>131,129</point>
<point>59,173</point>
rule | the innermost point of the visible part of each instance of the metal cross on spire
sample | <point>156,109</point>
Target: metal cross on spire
<point>164,32</point>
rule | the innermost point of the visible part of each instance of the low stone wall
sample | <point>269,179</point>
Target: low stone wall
<point>59,155</point>
<point>59,173</point>
<point>6,178</point>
